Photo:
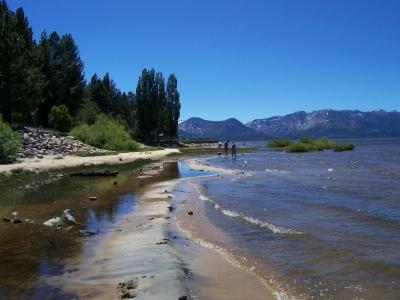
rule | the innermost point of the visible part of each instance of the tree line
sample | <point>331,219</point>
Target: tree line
<point>39,80</point>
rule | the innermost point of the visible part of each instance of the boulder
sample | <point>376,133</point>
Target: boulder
<point>68,217</point>
<point>53,222</point>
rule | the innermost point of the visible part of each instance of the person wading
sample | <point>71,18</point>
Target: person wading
<point>226,144</point>
<point>233,150</point>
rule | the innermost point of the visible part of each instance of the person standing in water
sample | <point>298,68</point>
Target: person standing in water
<point>226,144</point>
<point>233,150</point>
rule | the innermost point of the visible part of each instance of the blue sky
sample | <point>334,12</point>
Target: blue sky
<point>242,59</point>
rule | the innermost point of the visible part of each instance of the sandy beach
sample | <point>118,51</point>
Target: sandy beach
<point>51,163</point>
<point>151,249</point>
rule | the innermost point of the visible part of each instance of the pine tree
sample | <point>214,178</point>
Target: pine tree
<point>20,79</point>
<point>62,69</point>
<point>173,107</point>
<point>143,105</point>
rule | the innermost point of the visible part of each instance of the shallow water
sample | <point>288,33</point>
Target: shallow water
<point>30,253</point>
<point>322,225</point>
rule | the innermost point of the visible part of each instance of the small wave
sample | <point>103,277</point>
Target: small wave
<point>276,171</point>
<point>230,213</point>
<point>204,198</point>
<point>231,258</point>
<point>255,221</point>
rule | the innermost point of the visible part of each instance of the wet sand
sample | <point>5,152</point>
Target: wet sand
<point>213,274</point>
<point>153,247</point>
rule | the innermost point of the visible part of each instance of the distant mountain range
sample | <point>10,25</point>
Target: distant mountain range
<point>326,122</point>
<point>197,128</point>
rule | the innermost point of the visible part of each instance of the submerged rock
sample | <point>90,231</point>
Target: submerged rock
<point>68,217</point>
<point>84,232</point>
<point>6,220</point>
<point>17,221</point>
<point>53,222</point>
<point>190,213</point>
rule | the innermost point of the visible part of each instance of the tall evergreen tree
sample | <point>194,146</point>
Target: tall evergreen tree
<point>173,107</point>
<point>62,68</point>
<point>20,79</point>
<point>143,105</point>
<point>159,105</point>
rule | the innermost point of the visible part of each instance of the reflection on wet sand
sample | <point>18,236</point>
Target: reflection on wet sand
<point>30,252</point>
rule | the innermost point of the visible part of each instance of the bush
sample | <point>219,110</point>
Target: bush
<point>106,133</point>
<point>306,140</point>
<point>300,147</point>
<point>279,143</point>
<point>59,118</point>
<point>10,142</point>
<point>88,113</point>
<point>337,147</point>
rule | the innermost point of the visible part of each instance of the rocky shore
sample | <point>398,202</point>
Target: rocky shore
<point>38,142</point>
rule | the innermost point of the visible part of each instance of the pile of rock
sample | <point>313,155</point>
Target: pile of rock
<point>38,142</point>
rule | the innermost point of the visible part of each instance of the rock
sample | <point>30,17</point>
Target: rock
<point>53,222</point>
<point>115,183</point>
<point>128,294</point>
<point>120,159</point>
<point>127,289</point>
<point>15,213</point>
<point>68,217</point>
<point>84,232</point>
<point>190,213</point>
<point>17,221</point>
<point>6,220</point>
<point>40,156</point>
<point>183,298</point>
<point>171,208</point>
<point>92,198</point>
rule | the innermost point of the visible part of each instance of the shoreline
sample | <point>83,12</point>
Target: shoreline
<point>149,248</point>
<point>52,163</point>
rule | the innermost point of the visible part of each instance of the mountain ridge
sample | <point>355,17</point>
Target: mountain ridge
<point>324,122</point>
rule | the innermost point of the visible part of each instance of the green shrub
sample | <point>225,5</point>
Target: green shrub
<point>59,118</point>
<point>279,143</point>
<point>321,144</point>
<point>106,133</point>
<point>88,113</point>
<point>10,142</point>
<point>337,147</point>
<point>300,147</point>
<point>306,140</point>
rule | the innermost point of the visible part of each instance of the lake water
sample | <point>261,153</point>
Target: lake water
<point>315,225</point>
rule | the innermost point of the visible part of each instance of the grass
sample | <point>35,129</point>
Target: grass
<point>307,144</point>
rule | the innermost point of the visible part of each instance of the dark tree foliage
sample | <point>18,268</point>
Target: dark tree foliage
<point>62,68</point>
<point>36,77</point>
<point>109,98</point>
<point>173,107</point>
<point>20,79</point>
<point>150,103</point>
